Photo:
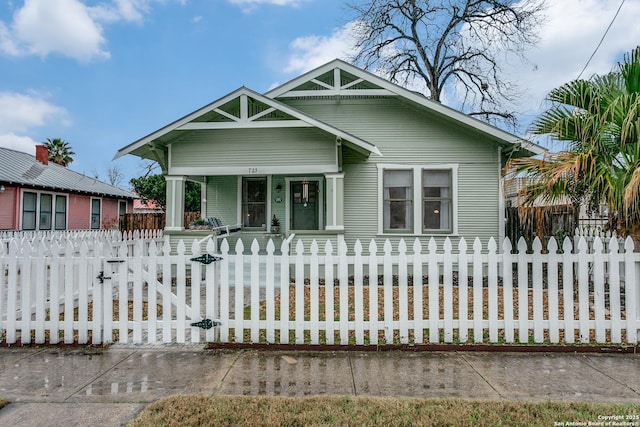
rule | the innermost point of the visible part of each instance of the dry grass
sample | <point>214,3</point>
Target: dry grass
<point>116,316</point>
<point>356,411</point>
<point>395,297</point>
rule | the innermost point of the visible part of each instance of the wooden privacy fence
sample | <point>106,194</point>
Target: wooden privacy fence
<point>320,294</point>
<point>150,220</point>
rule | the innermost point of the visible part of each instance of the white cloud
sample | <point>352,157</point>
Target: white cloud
<point>42,27</point>
<point>568,36</point>
<point>250,5</point>
<point>312,51</point>
<point>572,31</point>
<point>259,2</point>
<point>121,10</point>
<point>68,27</point>
<point>18,143</point>
<point>19,113</point>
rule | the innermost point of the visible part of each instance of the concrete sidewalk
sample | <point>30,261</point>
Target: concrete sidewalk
<point>109,387</point>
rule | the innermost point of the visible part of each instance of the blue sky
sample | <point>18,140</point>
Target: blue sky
<point>101,74</point>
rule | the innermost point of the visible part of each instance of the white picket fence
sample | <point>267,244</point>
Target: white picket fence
<point>320,294</point>
<point>76,237</point>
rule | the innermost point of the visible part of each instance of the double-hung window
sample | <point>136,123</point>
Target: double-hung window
<point>437,214</point>
<point>61,212</point>
<point>417,199</point>
<point>95,214</point>
<point>29,209</point>
<point>46,209</point>
<point>398,200</point>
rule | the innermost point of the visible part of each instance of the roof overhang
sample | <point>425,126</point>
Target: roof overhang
<point>368,84</point>
<point>241,109</point>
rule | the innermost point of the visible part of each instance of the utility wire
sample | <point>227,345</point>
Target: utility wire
<point>601,40</point>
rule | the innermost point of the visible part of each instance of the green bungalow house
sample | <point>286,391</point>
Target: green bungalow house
<point>337,153</point>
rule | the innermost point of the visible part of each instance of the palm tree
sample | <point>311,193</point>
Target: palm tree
<point>598,121</point>
<point>59,151</point>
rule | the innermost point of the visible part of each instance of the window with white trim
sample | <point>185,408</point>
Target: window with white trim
<point>417,199</point>
<point>44,211</point>
<point>61,212</point>
<point>437,212</point>
<point>95,214</point>
<point>29,209</point>
<point>398,200</point>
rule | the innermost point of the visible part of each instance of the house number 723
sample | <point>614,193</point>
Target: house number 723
<point>253,170</point>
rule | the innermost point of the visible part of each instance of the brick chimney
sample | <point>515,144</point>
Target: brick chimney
<point>42,154</point>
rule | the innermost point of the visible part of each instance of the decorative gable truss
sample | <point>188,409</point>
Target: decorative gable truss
<point>241,109</point>
<point>245,109</point>
<point>335,81</point>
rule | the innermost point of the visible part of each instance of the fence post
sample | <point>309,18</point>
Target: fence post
<point>224,291</point>
<point>373,292</point>
<point>463,291</point>
<point>447,284</point>
<point>477,291</point>
<point>507,290</point>
<point>285,283</point>
<point>387,282</point>
<point>523,292</point>
<point>314,293</point>
<point>238,329</point>
<point>403,298</point>
<point>538,331</point>
<point>255,291</point>
<point>358,292</point>
<point>614,289</point>
<point>269,292</point>
<point>299,294</point>
<point>552,289</point>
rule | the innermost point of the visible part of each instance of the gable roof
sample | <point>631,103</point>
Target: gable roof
<point>23,169</point>
<point>338,78</point>
<point>242,108</point>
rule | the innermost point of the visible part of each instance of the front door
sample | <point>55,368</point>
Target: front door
<point>305,205</point>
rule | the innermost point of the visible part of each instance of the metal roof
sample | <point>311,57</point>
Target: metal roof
<point>23,169</point>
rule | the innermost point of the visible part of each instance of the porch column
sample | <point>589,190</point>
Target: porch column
<point>175,203</point>
<point>335,201</point>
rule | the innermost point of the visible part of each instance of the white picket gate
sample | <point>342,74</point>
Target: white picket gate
<point>320,294</point>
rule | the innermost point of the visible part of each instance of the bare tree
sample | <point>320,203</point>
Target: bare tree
<point>149,167</point>
<point>454,46</point>
<point>115,176</point>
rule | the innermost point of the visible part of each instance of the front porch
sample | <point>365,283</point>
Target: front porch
<point>262,208</point>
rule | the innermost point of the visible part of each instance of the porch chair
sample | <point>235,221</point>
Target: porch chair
<point>219,228</point>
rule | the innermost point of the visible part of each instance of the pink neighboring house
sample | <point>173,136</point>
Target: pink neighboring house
<point>38,195</point>
<point>149,206</point>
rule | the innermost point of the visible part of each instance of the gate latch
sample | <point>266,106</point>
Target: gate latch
<point>206,258</point>
<point>205,324</point>
<point>101,277</point>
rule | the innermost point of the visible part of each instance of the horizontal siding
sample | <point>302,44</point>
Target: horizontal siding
<point>401,132</point>
<point>222,198</point>
<point>254,148</point>
<point>478,193</point>
<point>9,208</point>
<point>406,135</point>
